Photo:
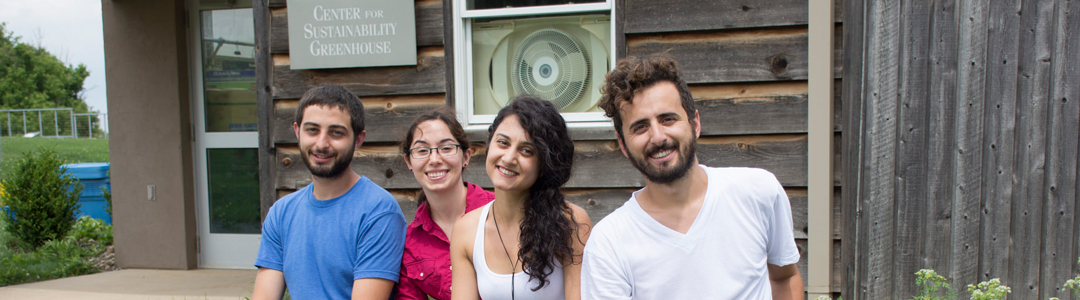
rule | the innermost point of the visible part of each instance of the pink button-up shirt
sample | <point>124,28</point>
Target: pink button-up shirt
<point>425,266</point>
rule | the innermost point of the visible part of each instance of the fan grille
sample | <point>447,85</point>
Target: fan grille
<point>553,65</point>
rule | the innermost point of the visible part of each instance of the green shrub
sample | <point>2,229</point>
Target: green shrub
<point>932,286</point>
<point>54,259</point>
<point>105,193</point>
<point>42,200</point>
<point>87,229</point>
<point>989,290</point>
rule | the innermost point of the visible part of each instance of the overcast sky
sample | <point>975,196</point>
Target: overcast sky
<point>70,30</point>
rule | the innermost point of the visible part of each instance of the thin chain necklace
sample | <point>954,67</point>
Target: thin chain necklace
<point>513,263</point>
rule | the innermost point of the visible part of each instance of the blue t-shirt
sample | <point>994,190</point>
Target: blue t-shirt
<point>323,246</point>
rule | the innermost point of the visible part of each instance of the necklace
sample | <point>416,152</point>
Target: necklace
<point>513,263</point>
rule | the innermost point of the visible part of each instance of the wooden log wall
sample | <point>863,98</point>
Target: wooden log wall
<point>965,160</point>
<point>745,61</point>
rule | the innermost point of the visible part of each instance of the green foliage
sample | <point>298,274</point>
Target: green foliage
<point>54,259</point>
<point>1074,284</point>
<point>41,198</point>
<point>70,150</point>
<point>31,77</point>
<point>90,230</point>
<point>932,286</point>
<point>105,193</point>
<point>989,290</point>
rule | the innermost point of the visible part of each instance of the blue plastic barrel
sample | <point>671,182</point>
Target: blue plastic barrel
<point>93,177</point>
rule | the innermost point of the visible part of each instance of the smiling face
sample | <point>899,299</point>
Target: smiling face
<point>436,173</point>
<point>326,140</point>
<point>511,157</point>
<point>658,136</point>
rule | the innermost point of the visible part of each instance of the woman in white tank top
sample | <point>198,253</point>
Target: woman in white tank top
<point>527,244</point>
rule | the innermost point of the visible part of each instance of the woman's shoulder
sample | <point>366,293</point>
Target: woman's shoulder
<point>581,216</point>
<point>465,228</point>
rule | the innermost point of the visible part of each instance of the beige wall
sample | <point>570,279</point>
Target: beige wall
<point>150,142</point>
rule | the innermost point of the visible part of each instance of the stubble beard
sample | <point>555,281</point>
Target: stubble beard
<point>341,163</point>
<point>667,175</point>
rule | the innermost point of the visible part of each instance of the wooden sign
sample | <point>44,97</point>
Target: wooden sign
<point>349,33</point>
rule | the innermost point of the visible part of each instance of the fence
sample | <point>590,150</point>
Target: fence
<point>53,122</point>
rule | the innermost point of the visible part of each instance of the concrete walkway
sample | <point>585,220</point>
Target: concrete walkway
<point>141,284</point>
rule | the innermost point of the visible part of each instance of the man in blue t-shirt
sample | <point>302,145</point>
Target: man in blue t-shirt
<point>342,236</point>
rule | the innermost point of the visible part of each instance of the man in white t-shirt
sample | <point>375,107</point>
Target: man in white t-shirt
<point>693,232</point>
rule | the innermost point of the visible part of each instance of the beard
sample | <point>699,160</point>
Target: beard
<point>334,170</point>
<point>668,171</point>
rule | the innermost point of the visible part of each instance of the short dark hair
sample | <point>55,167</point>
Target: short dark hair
<point>633,74</point>
<point>335,96</point>
<point>548,227</point>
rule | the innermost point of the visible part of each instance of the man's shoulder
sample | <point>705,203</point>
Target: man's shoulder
<point>740,173</point>
<point>613,224</point>
<point>373,194</point>
<point>281,204</point>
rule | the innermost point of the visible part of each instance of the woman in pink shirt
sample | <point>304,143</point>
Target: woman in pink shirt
<point>436,151</point>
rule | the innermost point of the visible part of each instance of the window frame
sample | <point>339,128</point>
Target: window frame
<point>462,39</point>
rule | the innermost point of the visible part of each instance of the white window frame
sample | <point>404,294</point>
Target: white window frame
<point>463,89</point>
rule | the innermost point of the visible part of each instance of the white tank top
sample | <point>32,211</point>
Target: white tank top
<point>494,286</point>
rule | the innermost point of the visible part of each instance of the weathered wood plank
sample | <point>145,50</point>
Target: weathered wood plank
<point>855,192</point>
<point>429,26</point>
<point>799,208</point>
<point>643,16</point>
<point>725,109</point>
<point>881,142</point>
<point>941,137</point>
<point>1060,229</point>
<point>385,118</point>
<point>967,195</point>
<point>275,3</point>
<point>263,65</point>
<point>448,50</point>
<point>835,281</point>
<point>999,139</point>
<point>595,162</point>
<point>427,77</point>
<point>911,148</point>
<point>731,56</point>
<point>1029,197</point>
<point>756,108</point>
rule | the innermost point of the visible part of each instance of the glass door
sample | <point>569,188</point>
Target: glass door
<point>226,137</point>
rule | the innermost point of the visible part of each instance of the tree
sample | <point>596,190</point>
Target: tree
<point>31,77</point>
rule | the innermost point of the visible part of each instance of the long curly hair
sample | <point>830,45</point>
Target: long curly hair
<point>447,116</point>
<point>547,230</point>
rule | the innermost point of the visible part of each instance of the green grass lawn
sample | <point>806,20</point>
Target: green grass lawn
<point>70,149</point>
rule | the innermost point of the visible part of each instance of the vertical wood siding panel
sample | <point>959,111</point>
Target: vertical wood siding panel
<point>967,195</point>
<point>1064,118</point>
<point>881,142</point>
<point>263,65</point>
<point>1033,86</point>
<point>941,137</point>
<point>911,152</point>
<point>854,245</point>
<point>999,137</point>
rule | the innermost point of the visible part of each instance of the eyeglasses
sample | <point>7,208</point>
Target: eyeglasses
<point>424,152</point>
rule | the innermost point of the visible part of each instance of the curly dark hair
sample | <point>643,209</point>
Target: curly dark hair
<point>547,229</point>
<point>336,96</point>
<point>633,74</point>
<point>447,116</point>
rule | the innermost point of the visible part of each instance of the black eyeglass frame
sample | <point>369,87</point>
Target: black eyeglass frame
<point>453,151</point>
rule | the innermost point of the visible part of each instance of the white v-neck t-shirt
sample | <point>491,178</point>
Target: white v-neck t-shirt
<point>744,224</point>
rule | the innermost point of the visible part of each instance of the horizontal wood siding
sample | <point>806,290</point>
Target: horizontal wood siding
<point>968,163</point>
<point>746,63</point>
